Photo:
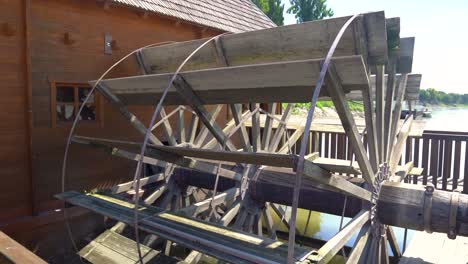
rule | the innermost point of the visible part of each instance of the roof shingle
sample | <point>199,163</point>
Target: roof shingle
<point>227,15</point>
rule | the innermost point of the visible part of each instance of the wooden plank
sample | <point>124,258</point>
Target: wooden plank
<point>338,165</point>
<point>465,180</point>
<point>13,252</point>
<point>111,247</point>
<point>259,83</point>
<point>416,156</point>
<point>336,91</point>
<point>456,164</point>
<point>402,172</point>
<point>214,240</point>
<point>260,158</point>
<point>325,177</point>
<point>447,163</point>
<point>434,161</point>
<point>425,159</point>
<point>329,250</point>
<point>192,128</point>
<point>291,42</point>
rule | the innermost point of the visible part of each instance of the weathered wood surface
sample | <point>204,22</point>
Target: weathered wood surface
<point>403,205</point>
<point>366,36</point>
<point>208,238</point>
<point>113,248</point>
<point>291,81</point>
<point>435,248</point>
<point>413,85</point>
<point>13,252</point>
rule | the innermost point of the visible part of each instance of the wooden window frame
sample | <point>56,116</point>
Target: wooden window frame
<point>76,103</point>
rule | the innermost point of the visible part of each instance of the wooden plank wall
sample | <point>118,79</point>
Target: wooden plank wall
<point>78,61</point>
<point>14,162</point>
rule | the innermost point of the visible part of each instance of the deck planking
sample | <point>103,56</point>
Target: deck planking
<point>436,248</point>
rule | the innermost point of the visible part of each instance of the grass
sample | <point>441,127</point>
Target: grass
<point>353,106</point>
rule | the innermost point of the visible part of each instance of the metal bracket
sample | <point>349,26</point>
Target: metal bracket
<point>452,233</point>
<point>427,209</point>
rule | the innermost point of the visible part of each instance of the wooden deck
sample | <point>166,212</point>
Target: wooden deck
<point>436,248</point>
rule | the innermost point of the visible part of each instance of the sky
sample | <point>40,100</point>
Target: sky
<point>440,29</point>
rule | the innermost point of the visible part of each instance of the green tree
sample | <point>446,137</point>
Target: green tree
<point>273,9</point>
<point>309,10</point>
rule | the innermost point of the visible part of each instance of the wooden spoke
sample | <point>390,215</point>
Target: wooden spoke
<point>401,142</point>
<point>123,187</point>
<point>185,90</point>
<point>256,140</point>
<point>379,112</point>
<point>168,132</point>
<point>230,128</point>
<point>358,255</point>
<point>389,96</point>
<point>370,126</point>
<point>327,251</point>
<point>397,110</point>
<point>244,136</point>
<point>269,221</point>
<point>192,129</point>
<point>199,140</point>
<point>292,140</point>
<point>383,250</point>
<point>230,214</point>
<point>280,129</point>
<point>267,130</point>
<point>202,206</point>
<point>134,121</point>
<point>181,136</point>
<point>336,92</point>
<point>280,211</point>
<point>392,240</point>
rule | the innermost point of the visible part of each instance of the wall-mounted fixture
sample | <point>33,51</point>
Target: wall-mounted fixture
<point>8,30</point>
<point>108,44</point>
<point>67,39</point>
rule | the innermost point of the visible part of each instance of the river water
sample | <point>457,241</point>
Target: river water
<point>448,119</point>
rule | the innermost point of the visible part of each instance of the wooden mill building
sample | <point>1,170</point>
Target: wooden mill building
<point>49,50</point>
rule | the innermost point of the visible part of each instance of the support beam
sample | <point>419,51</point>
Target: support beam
<point>185,90</point>
<point>379,112</point>
<point>337,94</point>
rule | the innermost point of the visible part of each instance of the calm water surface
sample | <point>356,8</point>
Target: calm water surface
<point>448,119</point>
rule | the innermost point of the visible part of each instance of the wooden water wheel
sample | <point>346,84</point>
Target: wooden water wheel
<point>212,188</point>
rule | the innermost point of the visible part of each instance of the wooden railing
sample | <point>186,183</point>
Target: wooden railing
<point>443,155</point>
